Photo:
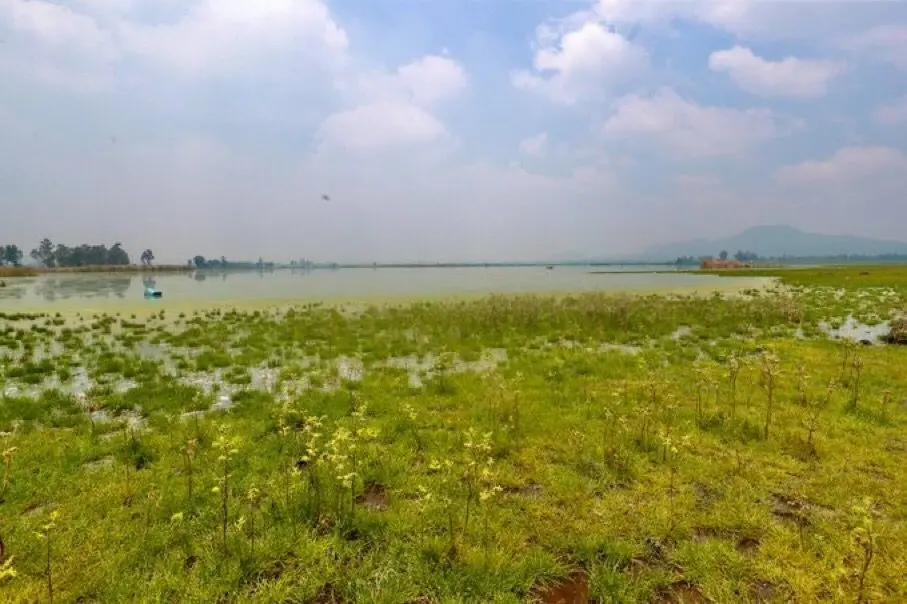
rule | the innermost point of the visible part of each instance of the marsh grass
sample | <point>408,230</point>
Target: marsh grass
<point>480,450</point>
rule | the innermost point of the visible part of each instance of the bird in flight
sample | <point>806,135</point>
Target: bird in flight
<point>325,197</point>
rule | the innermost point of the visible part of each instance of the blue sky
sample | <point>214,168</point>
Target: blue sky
<point>447,130</point>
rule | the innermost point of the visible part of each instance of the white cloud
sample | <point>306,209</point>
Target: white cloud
<point>431,79</point>
<point>214,37</point>
<point>204,38</point>
<point>810,20</point>
<point>379,125</point>
<point>534,145</point>
<point>703,190</point>
<point>685,129</point>
<point>886,43</point>
<point>846,166</point>
<point>577,63</point>
<point>395,112</point>
<point>892,113</point>
<point>790,77</point>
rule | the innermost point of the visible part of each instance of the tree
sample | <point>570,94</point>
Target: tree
<point>723,255</point>
<point>116,255</point>
<point>147,257</point>
<point>44,253</point>
<point>12,255</point>
<point>199,261</point>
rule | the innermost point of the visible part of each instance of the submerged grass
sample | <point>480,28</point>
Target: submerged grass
<point>590,447</point>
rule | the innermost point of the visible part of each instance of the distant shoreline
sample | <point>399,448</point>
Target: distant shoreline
<point>35,271</point>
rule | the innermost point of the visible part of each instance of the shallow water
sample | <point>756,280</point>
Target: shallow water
<point>99,291</point>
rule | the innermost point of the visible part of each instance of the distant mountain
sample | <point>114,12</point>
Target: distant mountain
<point>777,241</point>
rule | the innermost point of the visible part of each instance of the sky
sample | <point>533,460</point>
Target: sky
<point>447,130</point>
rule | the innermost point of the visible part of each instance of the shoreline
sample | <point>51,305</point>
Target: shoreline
<point>728,288</point>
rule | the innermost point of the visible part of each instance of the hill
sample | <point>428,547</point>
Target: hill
<point>778,241</point>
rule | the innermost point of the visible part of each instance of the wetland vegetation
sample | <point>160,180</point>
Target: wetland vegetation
<point>589,447</point>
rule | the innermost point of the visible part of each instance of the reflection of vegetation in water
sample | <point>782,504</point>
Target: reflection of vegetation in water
<point>12,290</point>
<point>581,448</point>
<point>94,286</point>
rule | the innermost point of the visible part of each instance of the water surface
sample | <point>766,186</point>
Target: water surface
<point>108,291</point>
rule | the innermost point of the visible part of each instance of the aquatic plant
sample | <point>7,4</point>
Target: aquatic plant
<point>771,370</point>
<point>226,447</point>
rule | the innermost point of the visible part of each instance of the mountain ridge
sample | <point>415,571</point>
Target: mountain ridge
<point>776,241</point>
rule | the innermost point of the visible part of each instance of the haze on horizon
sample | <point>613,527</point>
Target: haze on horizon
<point>446,130</point>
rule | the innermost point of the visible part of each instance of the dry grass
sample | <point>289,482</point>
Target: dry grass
<point>17,271</point>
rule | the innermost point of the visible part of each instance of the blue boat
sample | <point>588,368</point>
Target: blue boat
<point>153,293</point>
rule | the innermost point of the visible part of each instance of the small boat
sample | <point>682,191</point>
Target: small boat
<point>153,293</point>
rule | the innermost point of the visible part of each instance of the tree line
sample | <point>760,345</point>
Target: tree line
<point>745,256</point>
<point>50,255</point>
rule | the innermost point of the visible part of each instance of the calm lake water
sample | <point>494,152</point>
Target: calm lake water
<point>112,291</point>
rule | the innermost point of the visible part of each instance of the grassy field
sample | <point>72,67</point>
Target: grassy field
<point>851,277</point>
<point>580,448</point>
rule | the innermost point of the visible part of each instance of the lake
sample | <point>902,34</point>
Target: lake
<point>110,291</point>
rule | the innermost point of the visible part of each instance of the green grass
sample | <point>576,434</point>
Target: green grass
<point>851,276</point>
<point>466,451</point>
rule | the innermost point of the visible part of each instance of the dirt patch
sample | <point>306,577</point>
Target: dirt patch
<point>763,591</point>
<point>637,567</point>
<point>530,491</point>
<point>34,509</point>
<point>748,546</point>
<point>790,508</point>
<point>327,594</point>
<point>190,562</point>
<point>574,589</point>
<point>701,533</point>
<point>680,592</point>
<point>706,496</point>
<point>276,569</point>
<point>373,497</point>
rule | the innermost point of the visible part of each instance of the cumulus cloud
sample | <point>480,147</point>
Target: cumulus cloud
<point>574,64</point>
<point>396,110</point>
<point>534,145</point>
<point>885,43</point>
<point>789,77</point>
<point>892,114</point>
<point>379,125</point>
<point>214,126</point>
<point>685,129</point>
<point>846,166</point>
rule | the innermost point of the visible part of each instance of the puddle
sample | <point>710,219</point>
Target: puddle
<point>574,589</point>
<point>624,348</point>
<point>684,331</point>
<point>350,369</point>
<point>853,330</point>
<point>374,497</point>
<point>98,464</point>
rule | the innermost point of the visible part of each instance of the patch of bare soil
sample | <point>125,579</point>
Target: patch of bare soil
<point>680,592</point>
<point>574,589</point>
<point>374,497</point>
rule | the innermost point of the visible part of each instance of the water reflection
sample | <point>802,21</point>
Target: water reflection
<point>9,291</point>
<point>62,288</point>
